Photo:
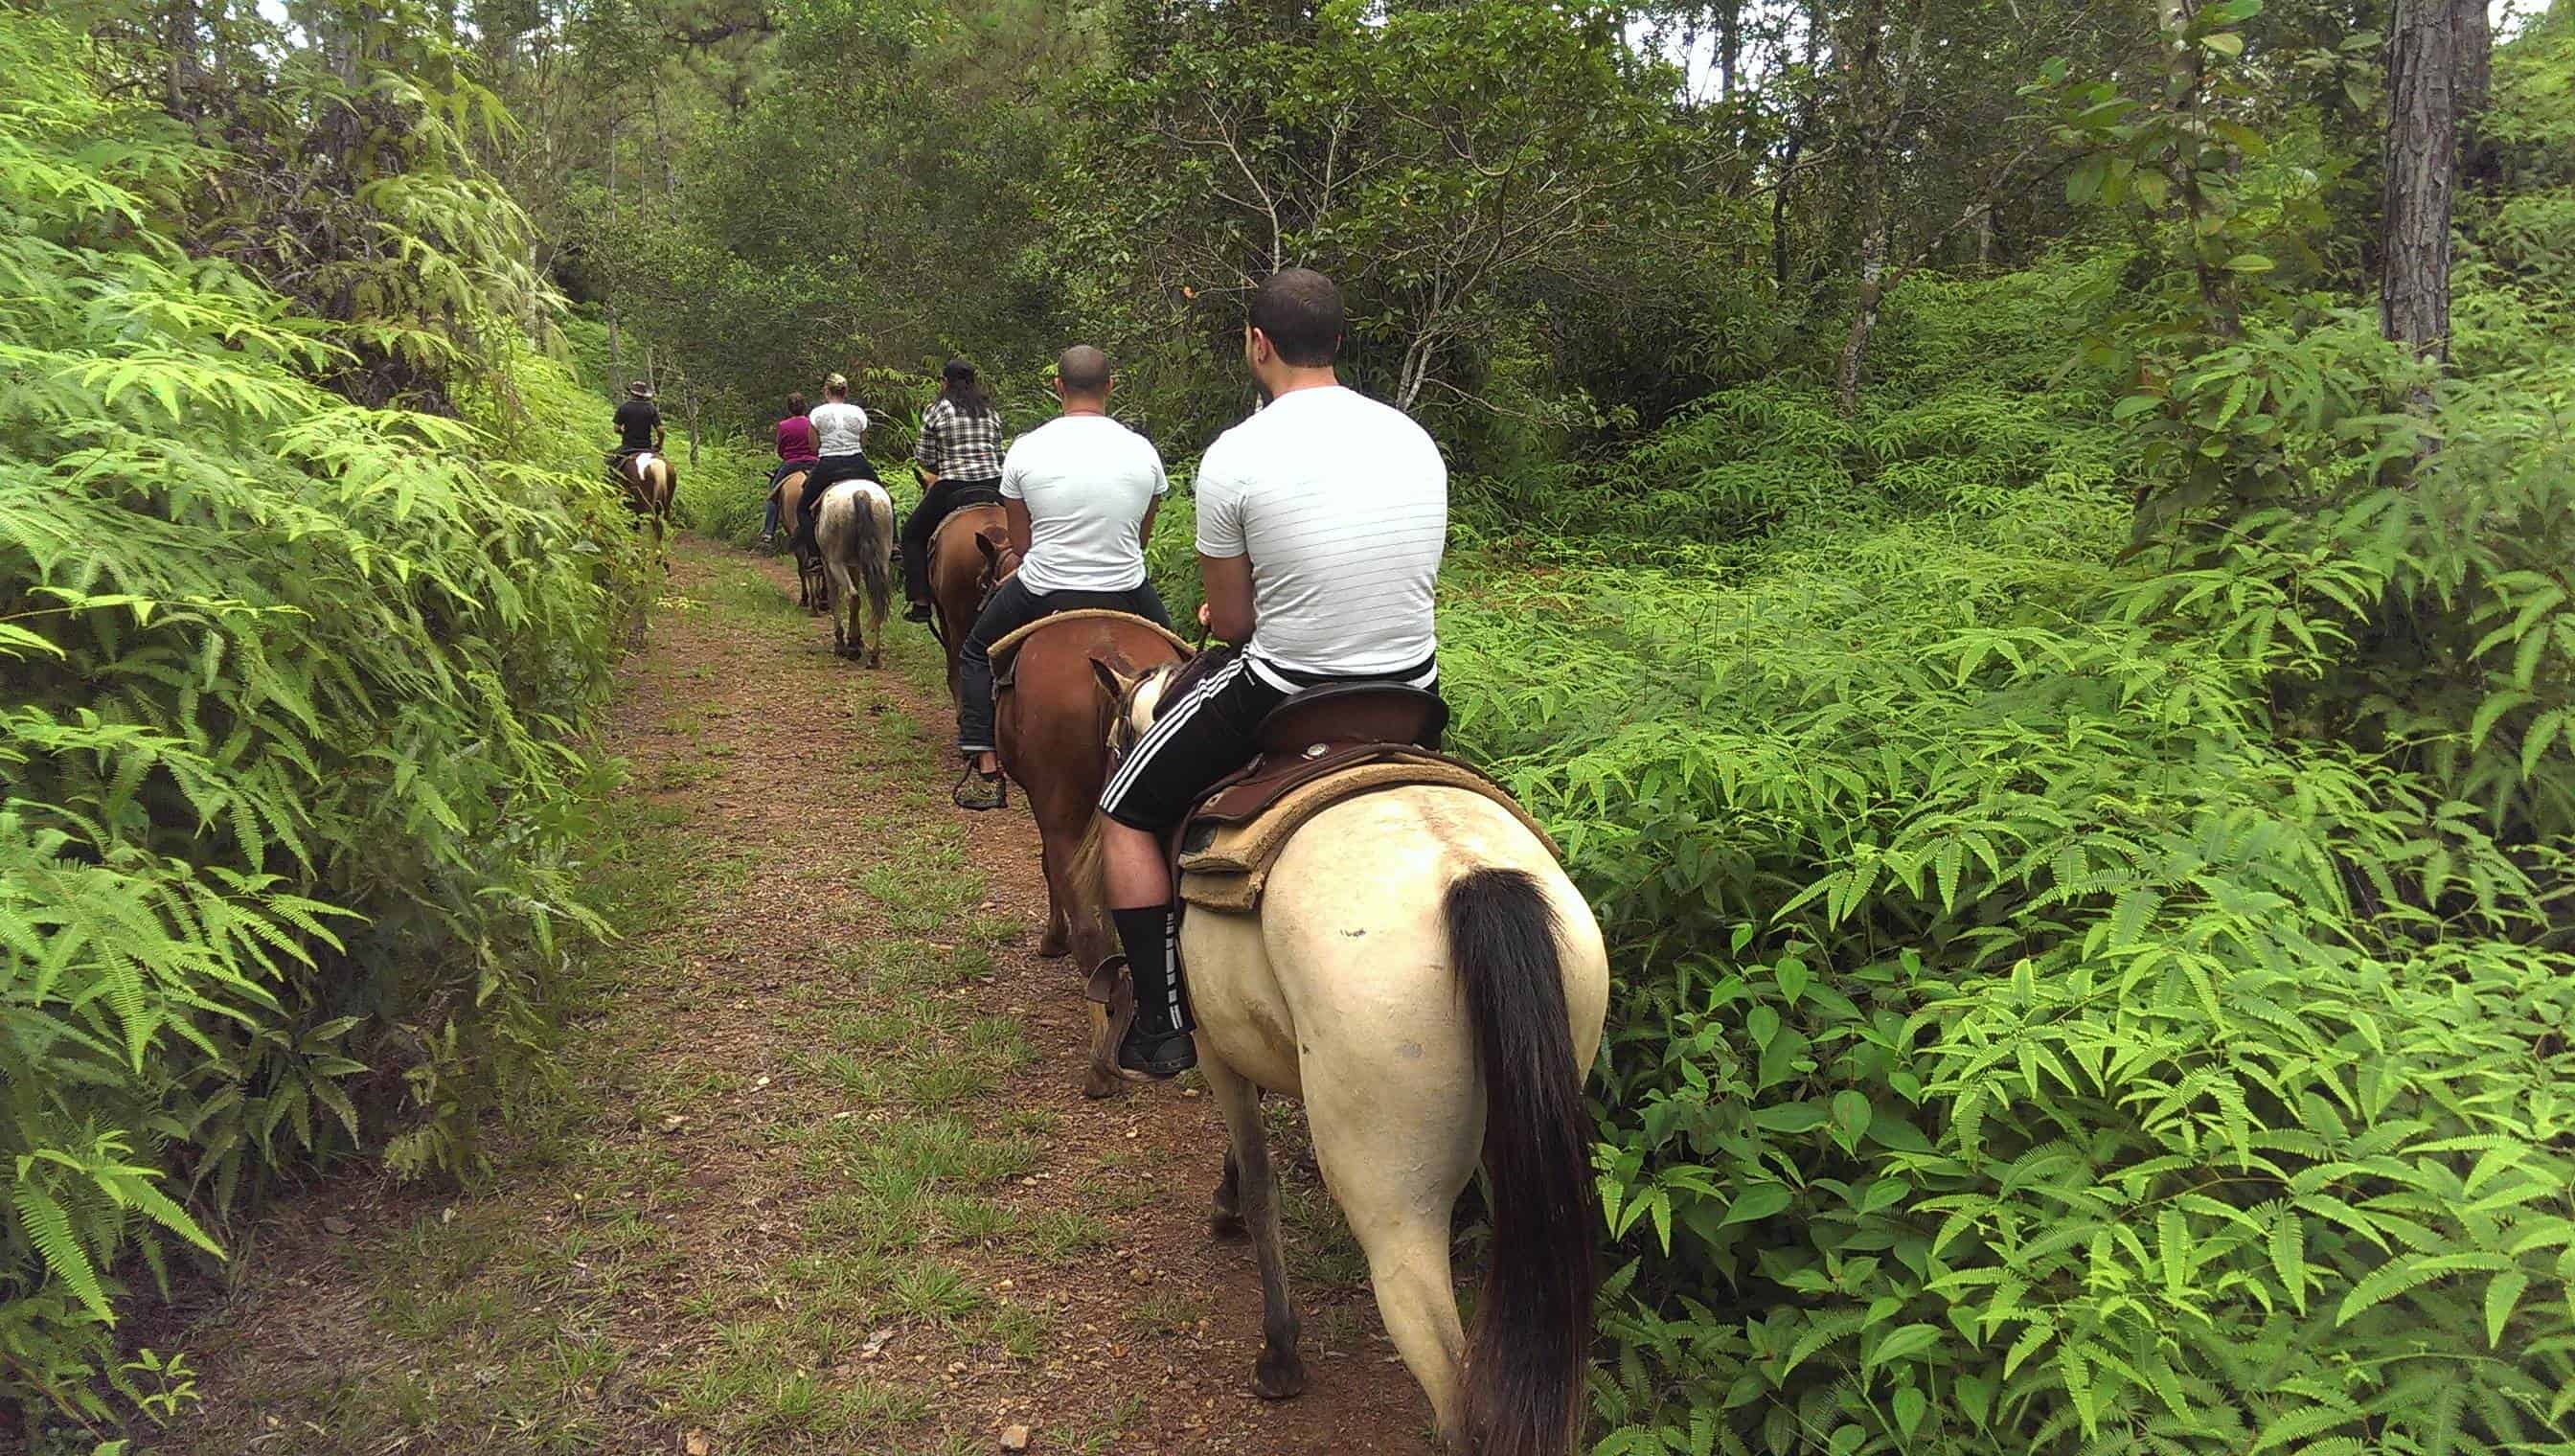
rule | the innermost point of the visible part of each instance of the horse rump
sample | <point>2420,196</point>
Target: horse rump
<point>1526,1356</point>
<point>853,530</point>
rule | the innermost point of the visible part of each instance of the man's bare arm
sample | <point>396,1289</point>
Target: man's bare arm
<point>1228,611</point>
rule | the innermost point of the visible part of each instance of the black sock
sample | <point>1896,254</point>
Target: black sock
<point>1146,936</point>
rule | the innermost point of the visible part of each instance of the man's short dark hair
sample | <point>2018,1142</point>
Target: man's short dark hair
<point>1082,370</point>
<point>1299,311</point>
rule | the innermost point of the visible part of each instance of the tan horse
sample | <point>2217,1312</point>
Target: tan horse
<point>790,495</point>
<point>853,528</point>
<point>651,482</point>
<point>1423,973</point>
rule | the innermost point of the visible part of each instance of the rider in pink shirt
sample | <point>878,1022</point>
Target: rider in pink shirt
<point>798,447</point>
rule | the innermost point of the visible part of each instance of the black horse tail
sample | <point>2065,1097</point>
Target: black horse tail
<point>1526,1358</point>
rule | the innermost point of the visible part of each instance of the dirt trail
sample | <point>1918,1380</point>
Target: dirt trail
<point>820,1176</point>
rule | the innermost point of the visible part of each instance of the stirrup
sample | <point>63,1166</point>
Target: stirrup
<point>975,791</point>
<point>1156,1055</point>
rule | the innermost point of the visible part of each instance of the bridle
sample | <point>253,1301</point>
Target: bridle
<point>1123,733</point>
<point>999,566</point>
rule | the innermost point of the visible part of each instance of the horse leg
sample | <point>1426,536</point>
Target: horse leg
<point>1107,1023</point>
<point>875,639</point>
<point>1396,1182</point>
<point>835,592</point>
<point>1281,1371</point>
<point>1225,1220</point>
<point>1057,939</point>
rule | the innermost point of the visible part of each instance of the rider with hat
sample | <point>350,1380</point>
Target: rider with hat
<point>639,428</point>
<point>1321,522</point>
<point>1080,492</point>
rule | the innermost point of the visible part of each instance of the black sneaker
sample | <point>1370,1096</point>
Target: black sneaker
<point>1155,1052</point>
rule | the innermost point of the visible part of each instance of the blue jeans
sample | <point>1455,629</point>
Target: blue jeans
<point>785,468</point>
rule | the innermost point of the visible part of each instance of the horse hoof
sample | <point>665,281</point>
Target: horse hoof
<point>1279,1377</point>
<point>1101,1084</point>
<point>1051,945</point>
<point>1225,1224</point>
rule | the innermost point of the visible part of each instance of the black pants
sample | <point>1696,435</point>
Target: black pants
<point>935,504</point>
<point>1014,607</point>
<point>1209,732</point>
<point>826,473</point>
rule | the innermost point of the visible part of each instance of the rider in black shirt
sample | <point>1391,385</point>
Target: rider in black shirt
<point>639,428</point>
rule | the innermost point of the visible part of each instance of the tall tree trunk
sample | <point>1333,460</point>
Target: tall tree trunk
<point>1877,105</point>
<point>180,38</point>
<point>615,355</point>
<point>2480,162</point>
<point>2185,75</point>
<point>1873,287</point>
<point>2422,158</point>
<point>1729,47</point>
<point>1797,143</point>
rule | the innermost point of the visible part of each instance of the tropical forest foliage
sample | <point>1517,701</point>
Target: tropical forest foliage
<point>2064,705</point>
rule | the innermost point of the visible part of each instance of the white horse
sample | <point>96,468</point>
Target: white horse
<point>1422,972</point>
<point>853,528</point>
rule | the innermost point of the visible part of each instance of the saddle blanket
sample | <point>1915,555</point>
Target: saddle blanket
<point>1229,868</point>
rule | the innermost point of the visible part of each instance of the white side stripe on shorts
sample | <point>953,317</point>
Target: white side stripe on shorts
<point>1166,725</point>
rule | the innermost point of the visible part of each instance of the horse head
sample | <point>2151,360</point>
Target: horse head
<point>1001,562</point>
<point>1135,700</point>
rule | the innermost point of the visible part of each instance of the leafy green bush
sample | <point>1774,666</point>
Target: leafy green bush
<point>293,788</point>
<point>2041,1027</point>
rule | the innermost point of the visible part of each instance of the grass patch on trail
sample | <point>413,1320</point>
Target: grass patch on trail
<point>760,1157</point>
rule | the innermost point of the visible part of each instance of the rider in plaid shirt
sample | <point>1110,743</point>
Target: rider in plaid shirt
<point>959,456</point>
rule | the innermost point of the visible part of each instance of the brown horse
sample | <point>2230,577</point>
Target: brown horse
<point>790,495</point>
<point>1051,725</point>
<point>969,555</point>
<point>651,482</point>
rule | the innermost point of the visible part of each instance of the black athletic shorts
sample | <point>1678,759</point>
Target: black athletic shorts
<point>1208,734</point>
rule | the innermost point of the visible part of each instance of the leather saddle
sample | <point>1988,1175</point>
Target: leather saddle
<point>957,509</point>
<point>1003,654</point>
<point>1319,748</point>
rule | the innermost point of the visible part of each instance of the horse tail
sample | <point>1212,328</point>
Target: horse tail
<point>1525,1360</point>
<point>876,550</point>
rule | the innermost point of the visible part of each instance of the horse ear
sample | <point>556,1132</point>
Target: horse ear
<point>1109,682</point>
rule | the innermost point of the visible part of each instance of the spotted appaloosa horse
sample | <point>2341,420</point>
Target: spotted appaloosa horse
<point>854,535</point>
<point>1051,728</point>
<point>1422,972</point>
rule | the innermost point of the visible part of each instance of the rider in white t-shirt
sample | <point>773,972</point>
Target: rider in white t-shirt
<point>1080,492</point>
<point>840,428</point>
<point>1320,525</point>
